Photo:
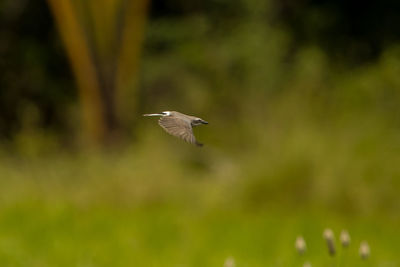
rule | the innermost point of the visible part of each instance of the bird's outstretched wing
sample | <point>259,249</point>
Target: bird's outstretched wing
<point>179,128</point>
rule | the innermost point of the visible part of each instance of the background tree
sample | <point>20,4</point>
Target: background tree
<point>103,40</point>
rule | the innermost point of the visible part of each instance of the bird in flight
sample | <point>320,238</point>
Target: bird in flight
<point>179,125</point>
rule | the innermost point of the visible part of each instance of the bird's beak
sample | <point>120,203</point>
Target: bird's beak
<point>204,122</point>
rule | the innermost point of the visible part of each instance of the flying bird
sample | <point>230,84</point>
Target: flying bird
<point>179,125</point>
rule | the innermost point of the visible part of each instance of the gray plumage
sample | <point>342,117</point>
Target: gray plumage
<point>179,125</point>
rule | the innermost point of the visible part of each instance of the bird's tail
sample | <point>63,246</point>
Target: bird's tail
<point>154,114</point>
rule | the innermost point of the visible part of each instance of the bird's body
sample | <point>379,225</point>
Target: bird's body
<point>179,125</point>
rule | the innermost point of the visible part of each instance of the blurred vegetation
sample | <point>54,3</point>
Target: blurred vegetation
<point>302,99</point>
<point>103,40</point>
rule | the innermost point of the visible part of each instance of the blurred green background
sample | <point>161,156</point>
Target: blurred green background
<point>302,98</point>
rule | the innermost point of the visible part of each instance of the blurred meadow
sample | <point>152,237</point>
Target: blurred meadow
<point>302,98</point>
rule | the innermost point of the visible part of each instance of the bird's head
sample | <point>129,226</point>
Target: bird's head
<point>198,121</point>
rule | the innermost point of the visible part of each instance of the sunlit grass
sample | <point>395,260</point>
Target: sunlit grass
<point>146,206</point>
<point>37,234</point>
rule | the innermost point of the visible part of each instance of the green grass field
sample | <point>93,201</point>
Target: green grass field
<point>35,234</point>
<point>145,206</point>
